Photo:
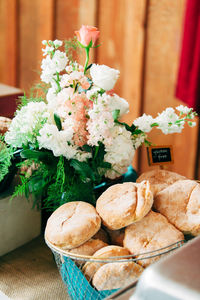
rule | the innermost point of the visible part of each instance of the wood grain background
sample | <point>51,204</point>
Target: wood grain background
<point>141,38</point>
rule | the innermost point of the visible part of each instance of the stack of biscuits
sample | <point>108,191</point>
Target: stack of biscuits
<point>130,219</point>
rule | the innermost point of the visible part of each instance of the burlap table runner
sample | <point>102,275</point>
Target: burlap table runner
<point>30,273</point>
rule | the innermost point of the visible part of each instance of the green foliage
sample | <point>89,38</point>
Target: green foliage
<point>72,48</point>
<point>131,128</point>
<point>57,180</point>
<point>57,121</point>
<point>21,189</point>
<point>6,155</point>
<point>37,94</point>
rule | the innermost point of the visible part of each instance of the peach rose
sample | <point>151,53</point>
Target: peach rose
<point>86,34</point>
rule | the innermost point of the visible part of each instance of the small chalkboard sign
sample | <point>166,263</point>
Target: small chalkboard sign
<point>160,155</point>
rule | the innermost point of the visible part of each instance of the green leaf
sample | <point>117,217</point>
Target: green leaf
<point>106,165</point>
<point>38,155</point>
<point>57,121</point>
<point>88,67</point>
<point>154,124</point>
<point>83,169</point>
<point>115,114</point>
<point>81,45</point>
<point>147,143</point>
<point>90,44</point>
<point>131,128</point>
<point>96,46</point>
<point>87,148</point>
<point>36,184</point>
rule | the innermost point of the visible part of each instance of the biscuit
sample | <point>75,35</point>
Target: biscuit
<point>180,204</point>
<point>89,247</point>
<point>160,179</point>
<point>149,234</point>
<point>123,204</point>
<point>90,268</point>
<point>116,275</point>
<point>72,224</point>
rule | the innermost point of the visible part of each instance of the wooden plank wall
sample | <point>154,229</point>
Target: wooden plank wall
<point>141,38</point>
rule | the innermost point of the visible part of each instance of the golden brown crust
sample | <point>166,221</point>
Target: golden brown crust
<point>4,124</point>
<point>89,247</point>
<point>160,179</point>
<point>180,204</point>
<point>90,268</point>
<point>116,275</point>
<point>72,224</point>
<point>123,204</point>
<point>151,233</point>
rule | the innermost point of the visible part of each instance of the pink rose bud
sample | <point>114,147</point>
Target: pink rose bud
<point>86,34</point>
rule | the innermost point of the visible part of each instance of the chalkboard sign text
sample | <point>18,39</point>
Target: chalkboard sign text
<point>160,155</point>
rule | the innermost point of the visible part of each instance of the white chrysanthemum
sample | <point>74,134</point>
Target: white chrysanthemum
<point>120,153</point>
<point>184,109</point>
<point>100,123</point>
<point>104,76</point>
<point>116,102</point>
<point>167,121</point>
<point>144,122</point>
<point>26,124</point>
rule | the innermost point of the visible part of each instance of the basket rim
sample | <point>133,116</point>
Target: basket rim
<point>133,257</point>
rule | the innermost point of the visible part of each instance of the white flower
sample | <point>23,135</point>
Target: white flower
<point>26,124</point>
<point>100,123</point>
<point>52,139</point>
<point>59,60</point>
<point>138,139</point>
<point>116,102</point>
<point>51,94</point>
<point>60,142</point>
<point>168,121</point>
<point>47,50</point>
<point>184,109</point>
<point>120,153</point>
<point>68,79</point>
<point>104,76</point>
<point>57,43</point>
<point>58,103</point>
<point>50,66</point>
<point>144,122</point>
<point>92,93</point>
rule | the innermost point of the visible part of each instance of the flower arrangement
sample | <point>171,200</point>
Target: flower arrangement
<point>72,136</point>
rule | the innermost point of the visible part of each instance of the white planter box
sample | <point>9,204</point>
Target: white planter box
<point>19,223</point>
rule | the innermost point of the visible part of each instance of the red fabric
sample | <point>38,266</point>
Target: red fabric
<point>188,83</point>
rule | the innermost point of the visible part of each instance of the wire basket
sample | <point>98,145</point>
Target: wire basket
<point>80,285</point>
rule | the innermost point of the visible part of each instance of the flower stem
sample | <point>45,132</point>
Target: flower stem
<point>87,49</point>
